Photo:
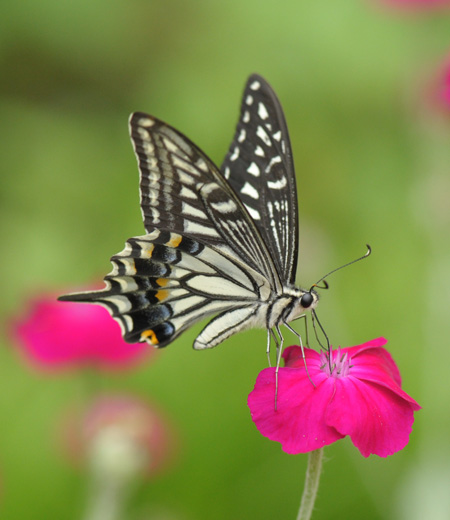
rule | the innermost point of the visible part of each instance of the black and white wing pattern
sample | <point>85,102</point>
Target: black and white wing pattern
<point>216,244</point>
<point>202,253</point>
<point>260,168</point>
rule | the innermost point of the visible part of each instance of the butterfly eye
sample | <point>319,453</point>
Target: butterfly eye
<point>306,300</point>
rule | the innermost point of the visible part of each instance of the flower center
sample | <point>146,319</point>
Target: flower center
<point>339,366</point>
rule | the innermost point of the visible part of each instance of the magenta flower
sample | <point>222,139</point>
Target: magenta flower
<point>57,335</point>
<point>360,396</point>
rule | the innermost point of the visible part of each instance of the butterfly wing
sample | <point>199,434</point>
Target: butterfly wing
<point>182,191</point>
<point>260,169</point>
<point>202,253</point>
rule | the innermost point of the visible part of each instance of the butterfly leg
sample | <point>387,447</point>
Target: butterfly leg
<point>269,336</point>
<point>303,316</point>
<point>279,351</point>
<point>328,349</point>
<point>302,349</point>
<point>313,316</point>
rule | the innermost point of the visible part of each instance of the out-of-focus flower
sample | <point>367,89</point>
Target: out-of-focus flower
<point>55,335</point>
<point>358,394</point>
<point>437,91</point>
<point>446,85</point>
<point>119,434</point>
<point>117,439</point>
<point>417,4</point>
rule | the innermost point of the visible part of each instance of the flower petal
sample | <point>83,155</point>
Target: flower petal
<point>378,420</point>
<point>372,362</point>
<point>297,423</point>
<point>293,357</point>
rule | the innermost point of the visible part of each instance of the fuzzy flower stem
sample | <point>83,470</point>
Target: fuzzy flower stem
<point>311,484</point>
<point>106,502</point>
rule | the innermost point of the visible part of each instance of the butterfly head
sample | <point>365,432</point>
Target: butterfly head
<point>309,299</point>
<point>302,301</point>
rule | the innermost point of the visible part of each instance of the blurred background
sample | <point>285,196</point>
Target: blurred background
<point>363,85</point>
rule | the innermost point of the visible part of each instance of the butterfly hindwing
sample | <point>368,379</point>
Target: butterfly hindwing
<point>162,283</point>
<point>259,167</point>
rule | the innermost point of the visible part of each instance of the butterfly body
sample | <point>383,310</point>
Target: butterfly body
<point>220,243</point>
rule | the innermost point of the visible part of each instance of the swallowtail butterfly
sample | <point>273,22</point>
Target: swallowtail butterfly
<point>220,243</point>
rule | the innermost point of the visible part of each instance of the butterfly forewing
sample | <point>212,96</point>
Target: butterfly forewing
<point>259,167</point>
<point>183,191</point>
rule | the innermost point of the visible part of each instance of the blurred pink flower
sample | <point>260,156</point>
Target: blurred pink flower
<point>360,396</point>
<point>56,335</point>
<point>119,437</point>
<point>440,88</point>
<point>417,4</point>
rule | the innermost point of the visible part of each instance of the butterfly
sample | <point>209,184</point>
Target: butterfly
<point>219,243</point>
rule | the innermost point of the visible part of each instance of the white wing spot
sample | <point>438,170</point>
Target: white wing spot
<point>262,111</point>
<point>277,135</point>
<point>253,212</point>
<point>246,116</point>
<point>172,147</point>
<point>225,207</point>
<point>143,134</point>
<point>202,164</point>
<point>206,189</point>
<point>249,100</point>
<point>261,133</point>
<point>127,284</point>
<point>235,154</point>
<point>274,160</point>
<point>253,169</point>
<point>273,224</point>
<point>184,178</point>
<point>255,85</point>
<point>155,215</point>
<point>148,147</point>
<point>125,322</point>
<point>242,136</point>
<point>259,151</point>
<point>226,173</point>
<point>186,193</point>
<point>184,165</point>
<point>250,190</point>
<point>277,185</point>
<point>192,211</point>
<point>145,122</point>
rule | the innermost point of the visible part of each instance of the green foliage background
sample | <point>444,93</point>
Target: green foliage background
<point>372,161</point>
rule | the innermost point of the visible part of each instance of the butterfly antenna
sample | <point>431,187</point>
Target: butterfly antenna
<point>369,250</point>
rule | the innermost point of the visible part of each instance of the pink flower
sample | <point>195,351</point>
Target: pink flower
<point>119,436</point>
<point>57,335</point>
<point>359,396</point>
<point>439,88</point>
<point>417,4</point>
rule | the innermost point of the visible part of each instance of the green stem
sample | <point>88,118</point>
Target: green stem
<point>311,484</point>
